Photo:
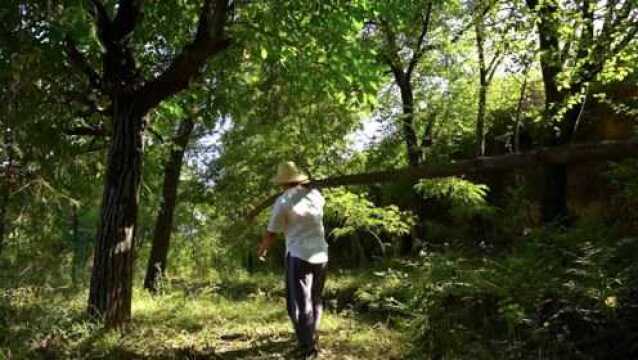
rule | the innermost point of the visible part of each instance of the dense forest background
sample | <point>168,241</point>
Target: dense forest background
<point>478,158</point>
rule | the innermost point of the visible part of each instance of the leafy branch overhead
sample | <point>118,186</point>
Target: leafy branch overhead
<point>120,73</point>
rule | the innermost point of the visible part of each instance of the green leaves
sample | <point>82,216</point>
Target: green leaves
<point>354,212</point>
<point>465,197</point>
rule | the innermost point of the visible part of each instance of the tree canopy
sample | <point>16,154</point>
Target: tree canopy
<point>136,137</point>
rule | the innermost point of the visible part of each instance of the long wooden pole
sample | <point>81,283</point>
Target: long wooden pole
<point>601,151</point>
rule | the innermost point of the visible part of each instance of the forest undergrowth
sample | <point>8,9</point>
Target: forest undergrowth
<point>233,317</point>
<point>551,295</point>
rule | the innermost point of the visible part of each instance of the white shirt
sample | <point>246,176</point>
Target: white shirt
<point>298,213</point>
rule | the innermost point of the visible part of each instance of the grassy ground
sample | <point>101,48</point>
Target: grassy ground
<point>242,317</point>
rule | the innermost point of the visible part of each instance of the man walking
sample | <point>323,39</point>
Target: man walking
<point>298,214</point>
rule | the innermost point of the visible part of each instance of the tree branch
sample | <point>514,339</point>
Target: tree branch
<point>209,40</point>
<point>92,110</point>
<point>129,12</point>
<point>626,39</point>
<point>602,52</point>
<point>458,35</point>
<point>78,60</point>
<point>102,20</point>
<point>99,131</point>
<point>392,52</point>
<point>491,68</point>
<point>419,49</point>
<point>157,135</point>
<point>587,29</point>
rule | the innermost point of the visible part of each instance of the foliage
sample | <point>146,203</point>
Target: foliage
<point>624,177</point>
<point>354,212</point>
<point>300,78</point>
<point>624,181</point>
<point>465,197</point>
<point>555,296</point>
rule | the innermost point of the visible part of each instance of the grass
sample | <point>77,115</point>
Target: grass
<point>555,295</point>
<point>242,317</point>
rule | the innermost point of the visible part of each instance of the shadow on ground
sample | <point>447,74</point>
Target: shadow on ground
<point>262,348</point>
<point>277,348</point>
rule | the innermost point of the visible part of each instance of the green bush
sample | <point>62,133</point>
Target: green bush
<point>555,296</point>
<point>623,177</point>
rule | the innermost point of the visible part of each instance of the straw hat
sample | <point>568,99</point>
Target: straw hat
<point>288,173</point>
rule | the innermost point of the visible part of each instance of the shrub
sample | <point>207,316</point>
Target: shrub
<point>555,296</point>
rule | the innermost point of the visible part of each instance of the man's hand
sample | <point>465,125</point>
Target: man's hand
<point>264,246</point>
<point>262,251</point>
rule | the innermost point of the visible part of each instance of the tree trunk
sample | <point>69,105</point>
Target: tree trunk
<point>409,133</point>
<point>4,196</point>
<point>414,159</point>
<point>5,185</point>
<point>111,279</point>
<point>480,121</point>
<point>9,177</point>
<point>519,109</point>
<point>4,204</point>
<point>554,208</point>
<point>164,223</point>
<point>560,155</point>
<point>483,83</point>
<point>132,98</point>
<point>554,201</point>
<point>75,240</point>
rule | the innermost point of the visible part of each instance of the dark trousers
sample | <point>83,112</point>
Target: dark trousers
<point>304,284</point>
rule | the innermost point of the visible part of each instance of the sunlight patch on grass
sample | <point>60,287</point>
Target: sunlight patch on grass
<point>240,318</point>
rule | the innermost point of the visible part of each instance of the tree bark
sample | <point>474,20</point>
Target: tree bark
<point>480,121</point>
<point>7,183</point>
<point>5,187</point>
<point>414,154</point>
<point>552,156</point>
<point>407,123</point>
<point>519,109</point>
<point>4,204</point>
<point>75,240</point>
<point>164,222</point>
<point>554,199</point>
<point>132,98</point>
<point>111,278</point>
<point>403,79</point>
<point>480,115</point>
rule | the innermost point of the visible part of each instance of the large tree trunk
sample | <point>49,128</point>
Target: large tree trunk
<point>549,156</point>
<point>164,223</point>
<point>554,200</point>
<point>111,279</point>
<point>132,98</point>
<point>554,207</point>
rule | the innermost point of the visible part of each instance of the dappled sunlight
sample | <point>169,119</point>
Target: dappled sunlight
<point>206,179</point>
<point>210,323</point>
